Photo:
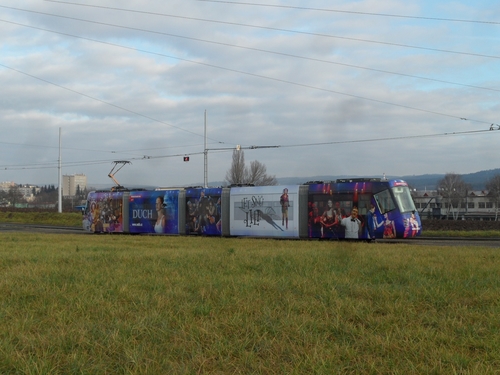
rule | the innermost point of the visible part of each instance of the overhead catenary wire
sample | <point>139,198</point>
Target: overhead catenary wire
<point>52,165</point>
<point>340,11</point>
<point>336,142</point>
<point>284,30</point>
<point>234,71</point>
<point>253,49</point>
<point>102,101</point>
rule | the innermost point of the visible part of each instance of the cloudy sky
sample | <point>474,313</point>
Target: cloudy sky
<point>357,88</point>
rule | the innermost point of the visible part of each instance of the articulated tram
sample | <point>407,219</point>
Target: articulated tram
<point>342,209</point>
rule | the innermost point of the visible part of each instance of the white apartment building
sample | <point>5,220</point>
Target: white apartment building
<point>70,184</point>
<point>28,191</point>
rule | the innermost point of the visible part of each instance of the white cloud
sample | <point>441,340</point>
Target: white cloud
<point>139,92</point>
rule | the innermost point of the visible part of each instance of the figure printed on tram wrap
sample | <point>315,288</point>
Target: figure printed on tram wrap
<point>330,221</point>
<point>411,226</point>
<point>195,225</point>
<point>218,224</point>
<point>203,209</point>
<point>352,224</point>
<point>314,219</point>
<point>191,213</point>
<point>161,219</point>
<point>372,223</point>
<point>115,221</point>
<point>339,212</point>
<point>285,203</point>
<point>389,227</point>
<point>210,218</point>
<point>96,218</point>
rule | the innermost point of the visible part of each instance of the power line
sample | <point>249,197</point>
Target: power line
<point>53,165</point>
<point>320,10</point>
<point>278,29</point>
<point>343,11</point>
<point>93,40</point>
<point>250,49</point>
<point>97,99</point>
<point>103,151</point>
<point>303,85</point>
<point>466,132</point>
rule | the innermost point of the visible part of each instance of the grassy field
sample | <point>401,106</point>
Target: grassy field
<point>73,219</point>
<point>111,304</point>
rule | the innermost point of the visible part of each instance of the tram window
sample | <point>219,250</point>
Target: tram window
<point>384,201</point>
<point>403,199</point>
<point>364,203</point>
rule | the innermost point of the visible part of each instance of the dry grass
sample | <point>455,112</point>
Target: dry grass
<point>104,304</point>
<point>70,219</point>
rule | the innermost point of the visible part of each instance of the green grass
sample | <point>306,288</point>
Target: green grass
<point>73,219</point>
<point>112,304</point>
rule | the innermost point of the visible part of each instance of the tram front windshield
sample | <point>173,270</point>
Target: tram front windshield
<point>403,199</point>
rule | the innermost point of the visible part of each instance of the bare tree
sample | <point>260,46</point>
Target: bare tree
<point>237,173</point>
<point>493,187</point>
<point>453,189</point>
<point>256,174</point>
<point>15,196</point>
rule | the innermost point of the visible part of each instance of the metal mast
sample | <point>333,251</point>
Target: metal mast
<point>59,177</point>
<point>205,153</point>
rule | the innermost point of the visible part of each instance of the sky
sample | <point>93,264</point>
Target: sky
<point>308,88</point>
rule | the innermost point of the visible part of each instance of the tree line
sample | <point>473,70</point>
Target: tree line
<point>454,191</point>
<point>46,196</point>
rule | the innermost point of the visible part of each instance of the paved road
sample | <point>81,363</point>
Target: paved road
<point>448,241</point>
<point>12,227</point>
<point>422,241</point>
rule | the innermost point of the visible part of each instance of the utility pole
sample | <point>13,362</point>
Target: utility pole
<point>60,176</point>
<point>205,153</point>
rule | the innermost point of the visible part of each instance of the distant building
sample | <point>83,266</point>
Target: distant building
<point>73,183</point>
<point>5,186</point>
<point>29,191</point>
<point>476,204</point>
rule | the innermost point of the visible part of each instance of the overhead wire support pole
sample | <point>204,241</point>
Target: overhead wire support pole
<point>60,176</point>
<point>205,153</point>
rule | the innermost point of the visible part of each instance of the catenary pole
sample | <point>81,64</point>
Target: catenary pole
<point>60,177</point>
<point>205,153</point>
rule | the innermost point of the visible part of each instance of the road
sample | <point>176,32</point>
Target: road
<point>421,241</point>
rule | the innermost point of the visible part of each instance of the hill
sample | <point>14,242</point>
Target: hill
<point>477,180</point>
<point>420,182</point>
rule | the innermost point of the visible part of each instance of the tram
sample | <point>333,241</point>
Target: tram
<point>361,208</point>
